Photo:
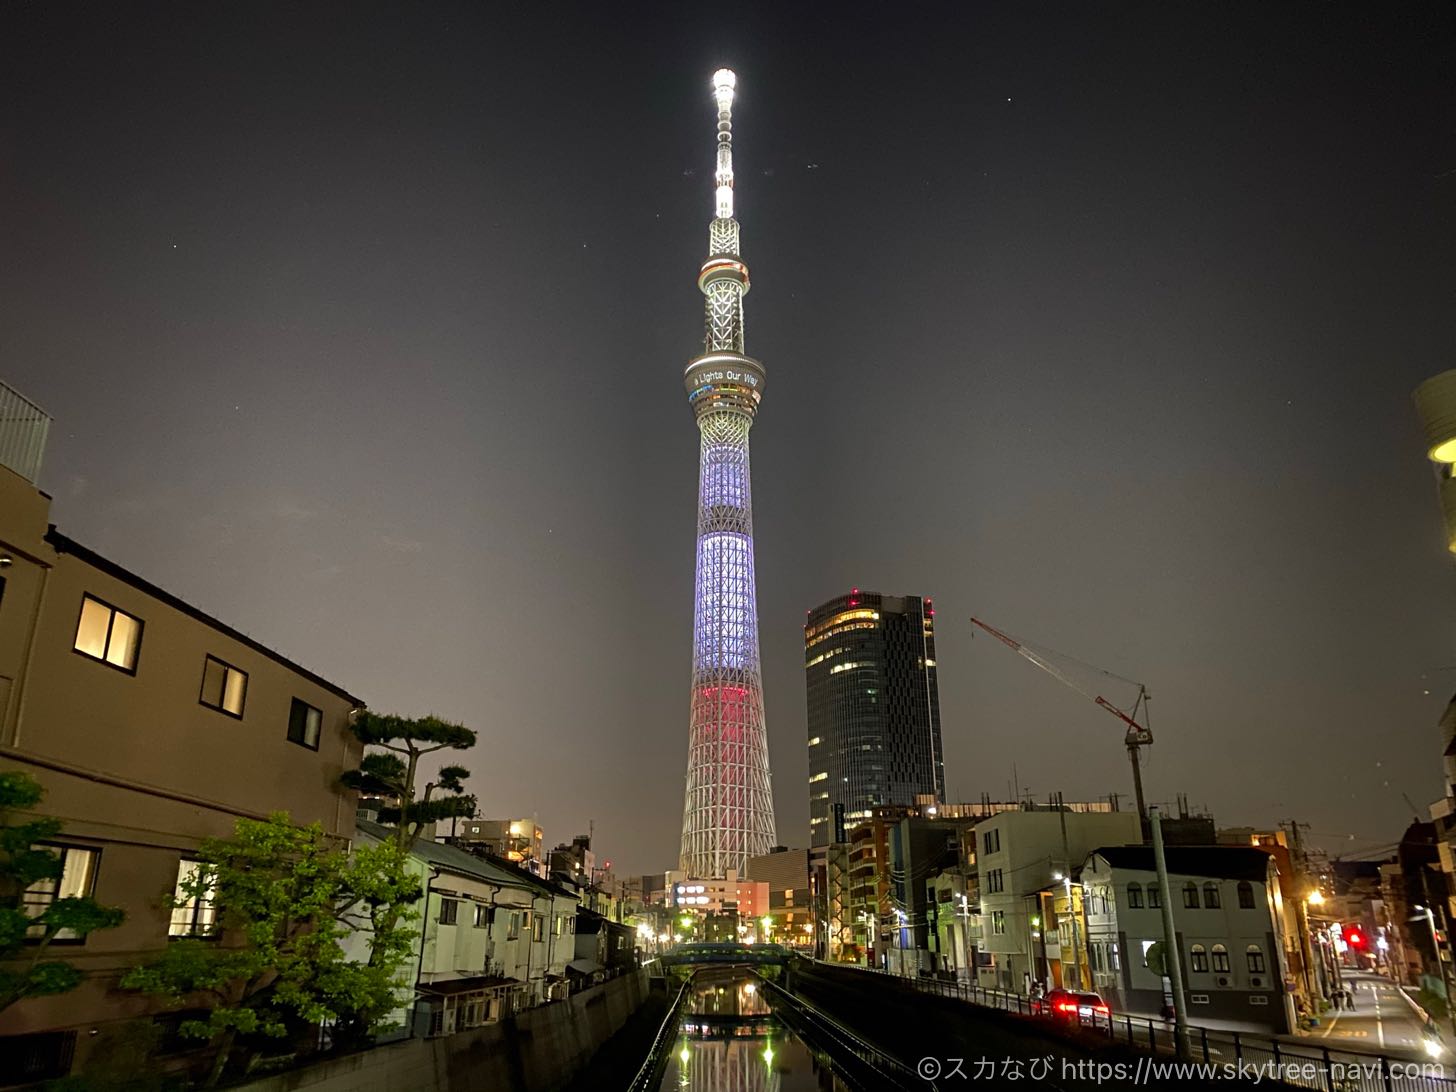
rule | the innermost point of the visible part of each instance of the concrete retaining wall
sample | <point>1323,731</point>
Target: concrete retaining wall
<point>538,1050</point>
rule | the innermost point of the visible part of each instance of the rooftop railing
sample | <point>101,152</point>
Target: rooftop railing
<point>23,428</point>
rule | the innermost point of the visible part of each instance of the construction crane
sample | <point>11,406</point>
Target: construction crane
<point>1138,735</point>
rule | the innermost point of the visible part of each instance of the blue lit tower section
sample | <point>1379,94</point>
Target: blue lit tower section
<point>728,811</point>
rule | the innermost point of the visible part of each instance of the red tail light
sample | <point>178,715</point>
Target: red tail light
<point>1102,1009</point>
<point>1066,1006</point>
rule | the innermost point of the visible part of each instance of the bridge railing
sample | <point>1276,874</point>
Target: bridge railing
<point>650,1075</point>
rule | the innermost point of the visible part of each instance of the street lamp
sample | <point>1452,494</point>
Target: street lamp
<point>1425,911</point>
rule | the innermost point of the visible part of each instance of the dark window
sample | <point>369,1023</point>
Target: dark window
<point>304,722</point>
<point>1246,895</point>
<point>1220,959</point>
<point>1155,897</point>
<point>482,916</point>
<point>1256,959</point>
<point>109,635</point>
<point>993,880</point>
<point>1190,896</point>
<point>77,880</point>
<point>224,687</point>
<point>998,922</point>
<point>40,1057</point>
<point>170,1039</point>
<point>1210,896</point>
<point>448,910</point>
<point>1135,896</point>
<point>1198,958</point>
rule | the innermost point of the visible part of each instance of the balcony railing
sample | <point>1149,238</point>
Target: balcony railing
<point>23,428</point>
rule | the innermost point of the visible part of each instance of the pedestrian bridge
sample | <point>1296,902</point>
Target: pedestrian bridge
<point>684,959</point>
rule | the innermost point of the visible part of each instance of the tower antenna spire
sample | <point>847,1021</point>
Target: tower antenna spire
<point>724,85</point>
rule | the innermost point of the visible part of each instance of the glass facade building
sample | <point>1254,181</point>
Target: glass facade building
<point>874,708</point>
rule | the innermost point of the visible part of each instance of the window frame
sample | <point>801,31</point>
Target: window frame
<point>483,915</point>
<point>1212,898</point>
<point>998,923</point>
<point>193,932</point>
<point>1198,959</point>
<point>1221,964</point>
<point>449,912</point>
<point>209,658</point>
<point>1190,896</point>
<point>1155,896</point>
<point>1254,957</point>
<point>1246,895</point>
<point>55,895</point>
<point>288,734</point>
<point>1134,896</point>
<point>110,626</point>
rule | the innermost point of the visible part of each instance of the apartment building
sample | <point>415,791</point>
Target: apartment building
<point>1228,916</point>
<point>151,725</point>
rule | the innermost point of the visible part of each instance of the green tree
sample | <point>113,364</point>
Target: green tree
<point>284,896</point>
<point>24,969</point>
<point>390,772</point>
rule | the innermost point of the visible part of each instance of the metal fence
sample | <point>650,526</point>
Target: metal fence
<point>1303,1064</point>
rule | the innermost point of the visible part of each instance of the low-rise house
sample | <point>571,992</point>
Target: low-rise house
<point>491,939</point>
<point>1227,913</point>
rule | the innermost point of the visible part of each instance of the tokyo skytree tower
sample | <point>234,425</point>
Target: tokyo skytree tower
<point>728,813</point>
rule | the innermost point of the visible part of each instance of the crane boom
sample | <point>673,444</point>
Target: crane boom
<point>1138,735</point>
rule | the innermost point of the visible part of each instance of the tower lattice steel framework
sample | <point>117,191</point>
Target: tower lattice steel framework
<point>728,812</point>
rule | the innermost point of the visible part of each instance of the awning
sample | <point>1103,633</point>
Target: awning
<point>584,966</point>
<point>467,985</point>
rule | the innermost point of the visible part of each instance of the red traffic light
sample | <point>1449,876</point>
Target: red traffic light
<point>1353,937</point>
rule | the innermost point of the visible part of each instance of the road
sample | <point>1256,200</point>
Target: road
<point>1382,1020</point>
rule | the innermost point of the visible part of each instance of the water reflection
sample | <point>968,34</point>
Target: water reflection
<point>730,1041</point>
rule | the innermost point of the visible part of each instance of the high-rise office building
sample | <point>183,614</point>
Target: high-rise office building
<point>728,805</point>
<point>874,708</point>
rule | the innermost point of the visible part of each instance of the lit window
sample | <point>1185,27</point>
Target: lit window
<point>1198,958</point>
<point>76,881</point>
<point>998,922</point>
<point>482,916</point>
<point>815,741</point>
<point>303,724</point>
<point>1256,959</point>
<point>194,909</point>
<point>1220,959</point>
<point>538,927</point>
<point>107,634</point>
<point>224,687</point>
<point>822,776</point>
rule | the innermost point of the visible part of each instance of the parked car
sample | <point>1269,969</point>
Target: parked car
<point>1075,1006</point>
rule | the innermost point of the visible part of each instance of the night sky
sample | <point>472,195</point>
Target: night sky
<point>363,328</point>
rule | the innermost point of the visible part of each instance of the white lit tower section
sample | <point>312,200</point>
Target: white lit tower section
<point>728,811</point>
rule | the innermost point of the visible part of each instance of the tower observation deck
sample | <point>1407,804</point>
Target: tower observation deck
<point>728,807</point>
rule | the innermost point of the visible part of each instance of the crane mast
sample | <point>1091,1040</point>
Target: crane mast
<point>1138,735</point>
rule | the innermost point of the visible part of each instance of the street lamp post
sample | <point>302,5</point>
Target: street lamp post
<point>1430,917</point>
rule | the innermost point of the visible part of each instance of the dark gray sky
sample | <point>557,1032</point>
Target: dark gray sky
<point>363,328</point>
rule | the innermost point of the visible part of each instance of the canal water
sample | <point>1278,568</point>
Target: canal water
<point>729,1040</point>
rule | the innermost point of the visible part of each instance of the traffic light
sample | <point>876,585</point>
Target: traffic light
<point>1354,937</point>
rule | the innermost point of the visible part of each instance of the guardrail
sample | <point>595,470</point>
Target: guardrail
<point>650,1075</point>
<point>1292,1061</point>
<point>842,1044</point>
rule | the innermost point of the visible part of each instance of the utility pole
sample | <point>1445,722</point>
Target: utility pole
<point>1173,956</point>
<point>1071,907</point>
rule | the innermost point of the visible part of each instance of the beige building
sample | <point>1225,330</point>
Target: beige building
<point>151,726</point>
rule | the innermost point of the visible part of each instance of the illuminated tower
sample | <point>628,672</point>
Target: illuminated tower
<point>728,810</point>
